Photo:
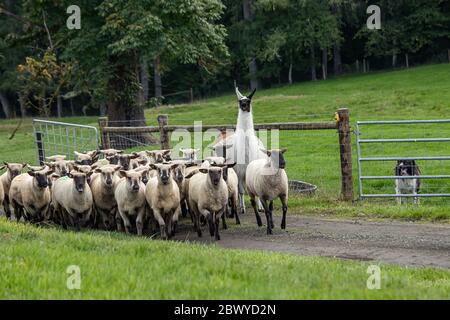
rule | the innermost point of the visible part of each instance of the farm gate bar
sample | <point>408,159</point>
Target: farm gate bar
<point>52,137</point>
<point>362,158</point>
<point>342,125</point>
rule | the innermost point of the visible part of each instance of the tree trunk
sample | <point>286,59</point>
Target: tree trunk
<point>59,106</point>
<point>324,64</point>
<point>357,66</point>
<point>364,65</point>
<point>124,112</point>
<point>144,81</point>
<point>337,59</point>
<point>157,77</point>
<point>72,110</point>
<point>394,60</point>
<point>23,106</point>
<point>290,71</point>
<point>407,60</point>
<point>252,66</point>
<point>5,105</point>
<point>313,64</point>
<point>103,109</point>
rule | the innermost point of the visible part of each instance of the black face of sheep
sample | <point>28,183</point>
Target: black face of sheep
<point>277,157</point>
<point>79,180</point>
<point>224,167</point>
<point>215,174</point>
<point>41,177</point>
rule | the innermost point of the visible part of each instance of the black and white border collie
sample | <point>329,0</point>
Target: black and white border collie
<point>407,168</point>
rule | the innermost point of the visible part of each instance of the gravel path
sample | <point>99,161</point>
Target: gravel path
<point>404,243</point>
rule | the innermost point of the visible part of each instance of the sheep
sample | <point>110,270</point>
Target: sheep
<point>246,145</point>
<point>267,179</point>
<point>189,154</point>
<point>58,165</point>
<point>2,192</point>
<point>178,173</point>
<point>12,171</point>
<point>159,156</point>
<point>208,197</point>
<point>102,185</point>
<point>30,194</point>
<point>56,157</point>
<point>130,197</point>
<point>110,152</point>
<point>72,199</point>
<point>145,173</point>
<point>86,158</point>
<point>163,197</point>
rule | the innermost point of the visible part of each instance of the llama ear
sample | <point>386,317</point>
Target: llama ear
<point>238,94</point>
<point>251,94</point>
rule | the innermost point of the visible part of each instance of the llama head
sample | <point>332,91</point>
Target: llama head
<point>245,102</point>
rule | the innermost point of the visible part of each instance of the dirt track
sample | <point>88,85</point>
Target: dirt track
<point>404,243</point>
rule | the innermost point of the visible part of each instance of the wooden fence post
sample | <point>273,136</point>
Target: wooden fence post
<point>345,143</point>
<point>103,123</point>
<point>163,120</point>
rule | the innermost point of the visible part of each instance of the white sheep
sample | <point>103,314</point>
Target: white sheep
<point>102,185</point>
<point>72,199</point>
<point>30,195</point>
<point>208,197</point>
<point>87,158</point>
<point>12,171</point>
<point>267,179</point>
<point>158,156</point>
<point>163,197</point>
<point>130,197</point>
<point>189,153</point>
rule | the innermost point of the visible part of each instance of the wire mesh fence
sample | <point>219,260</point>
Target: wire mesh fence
<point>61,138</point>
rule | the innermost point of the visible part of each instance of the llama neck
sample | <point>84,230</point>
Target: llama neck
<point>245,120</point>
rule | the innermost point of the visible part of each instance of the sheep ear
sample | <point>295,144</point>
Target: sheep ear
<point>268,153</point>
<point>75,167</point>
<point>98,170</point>
<point>76,153</point>
<point>31,173</point>
<point>191,164</point>
<point>123,173</point>
<point>251,94</point>
<point>2,167</point>
<point>152,166</point>
<point>6,163</point>
<point>117,168</point>
<point>167,151</point>
<point>203,170</point>
<point>231,165</point>
<point>190,175</point>
<point>283,150</point>
<point>173,166</point>
<point>49,172</point>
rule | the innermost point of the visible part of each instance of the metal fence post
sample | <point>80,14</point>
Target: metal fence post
<point>39,147</point>
<point>345,143</point>
<point>163,121</point>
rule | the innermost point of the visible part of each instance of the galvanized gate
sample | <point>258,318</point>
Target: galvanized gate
<point>444,156</point>
<point>53,138</point>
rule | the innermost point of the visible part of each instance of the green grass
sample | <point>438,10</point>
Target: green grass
<point>313,156</point>
<point>34,263</point>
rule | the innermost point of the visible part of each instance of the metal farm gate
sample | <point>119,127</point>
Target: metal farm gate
<point>53,138</point>
<point>400,144</point>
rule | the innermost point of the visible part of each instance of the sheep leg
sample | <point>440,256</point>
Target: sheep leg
<point>224,222</point>
<point>267,211</point>
<point>284,207</point>
<point>211,224</point>
<point>258,217</point>
<point>241,197</point>
<point>140,221</point>
<point>168,219</point>
<point>184,209</point>
<point>6,206</point>
<point>271,214</point>
<point>175,221</point>
<point>119,223</point>
<point>126,221</point>
<point>161,222</point>
<point>17,211</point>
<point>216,225</point>
<point>197,225</point>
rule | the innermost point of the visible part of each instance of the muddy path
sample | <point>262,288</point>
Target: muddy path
<point>403,243</point>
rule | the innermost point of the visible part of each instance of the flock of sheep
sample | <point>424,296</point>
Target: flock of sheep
<point>130,191</point>
<point>110,190</point>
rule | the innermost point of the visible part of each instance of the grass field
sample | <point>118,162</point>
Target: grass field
<point>33,260</point>
<point>116,266</point>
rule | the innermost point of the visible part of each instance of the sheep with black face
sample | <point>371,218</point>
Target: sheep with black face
<point>267,179</point>
<point>163,197</point>
<point>12,171</point>
<point>72,200</point>
<point>130,197</point>
<point>30,195</point>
